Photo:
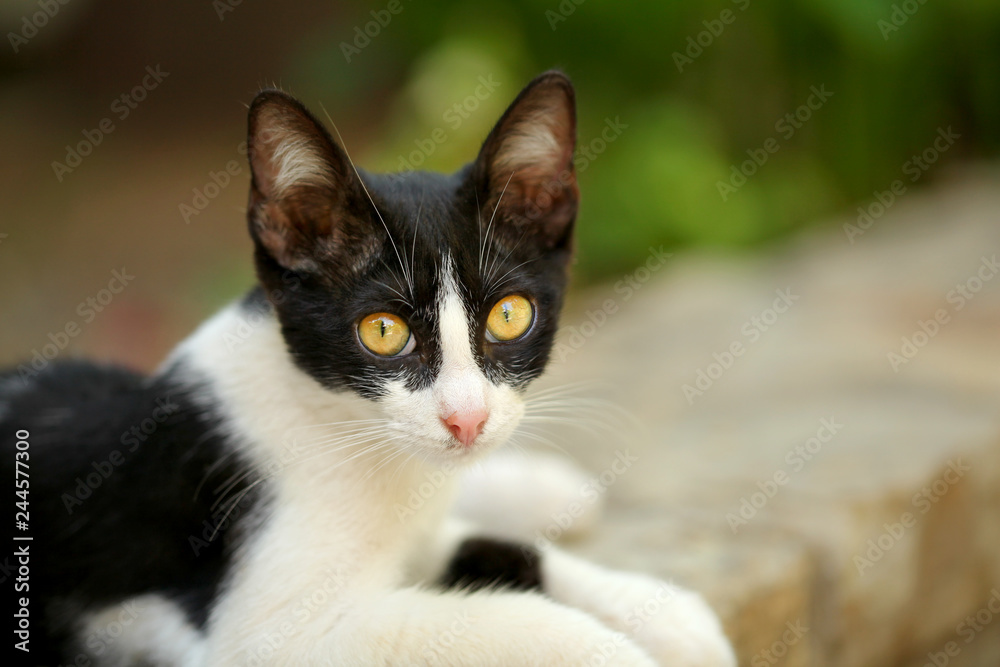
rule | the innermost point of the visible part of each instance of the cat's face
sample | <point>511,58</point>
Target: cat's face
<point>436,297</point>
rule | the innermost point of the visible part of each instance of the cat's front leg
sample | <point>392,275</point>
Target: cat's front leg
<point>378,626</point>
<point>525,496</point>
<point>414,626</point>
<point>673,624</point>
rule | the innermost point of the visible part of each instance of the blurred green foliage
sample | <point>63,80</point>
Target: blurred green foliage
<point>897,70</point>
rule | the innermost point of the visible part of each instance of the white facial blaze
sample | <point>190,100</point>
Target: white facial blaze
<point>461,385</point>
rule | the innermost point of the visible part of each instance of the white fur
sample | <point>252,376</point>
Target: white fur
<point>293,157</point>
<point>298,164</point>
<point>519,496</point>
<point>144,630</point>
<point>335,573</point>
<point>675,625</point>
<point>322,516</point>
<point>459,386</point>
<point>536,148</point>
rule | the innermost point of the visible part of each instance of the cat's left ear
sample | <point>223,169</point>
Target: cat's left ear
<point>526,163</point>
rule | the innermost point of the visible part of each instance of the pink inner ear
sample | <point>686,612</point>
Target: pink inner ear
<point>538,146</point>
<point>532,158</point>
<point>286,152</point>
<point>534,164</point>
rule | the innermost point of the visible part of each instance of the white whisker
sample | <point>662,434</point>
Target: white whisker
<point>489,227</point>
<point>368,194</point>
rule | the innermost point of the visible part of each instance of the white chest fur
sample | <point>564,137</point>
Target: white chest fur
<point>344,510</point>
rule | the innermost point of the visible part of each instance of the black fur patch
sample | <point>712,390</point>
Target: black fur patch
<point>484,563</point>
<point>328,255</point>
<point>125,472</point>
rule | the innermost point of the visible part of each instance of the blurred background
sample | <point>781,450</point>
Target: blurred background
<point>758,141</point>
<point>693,90</point>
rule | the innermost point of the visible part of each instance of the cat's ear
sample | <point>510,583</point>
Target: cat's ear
<point>526,163</point>
<point>302,185</point>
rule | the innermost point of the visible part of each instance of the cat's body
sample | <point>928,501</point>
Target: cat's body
<point>280,491</point>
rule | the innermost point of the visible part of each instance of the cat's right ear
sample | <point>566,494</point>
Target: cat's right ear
<point>302,185</point>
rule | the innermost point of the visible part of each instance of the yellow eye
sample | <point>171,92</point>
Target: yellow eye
<point>510,318</point>
<point>384,334</point>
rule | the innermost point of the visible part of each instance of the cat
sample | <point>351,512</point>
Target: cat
<point>278,492</point>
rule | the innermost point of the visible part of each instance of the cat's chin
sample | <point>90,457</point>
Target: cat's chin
<point>456,454</point>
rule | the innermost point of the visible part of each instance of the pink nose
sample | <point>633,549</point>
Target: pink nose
<point>466,426</point>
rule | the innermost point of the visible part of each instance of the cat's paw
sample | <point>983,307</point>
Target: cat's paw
<point>569,637</point>
<point>676,626</point>
<point>530,497</point>
<point>484,628</point>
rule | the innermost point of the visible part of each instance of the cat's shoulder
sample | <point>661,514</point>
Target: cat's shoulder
<point>68,380</point>
<point>93,401</point>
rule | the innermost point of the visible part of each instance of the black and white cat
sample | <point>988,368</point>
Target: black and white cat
<point>252,502</point>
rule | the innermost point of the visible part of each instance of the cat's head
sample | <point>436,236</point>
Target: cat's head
<point>435,296</point>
